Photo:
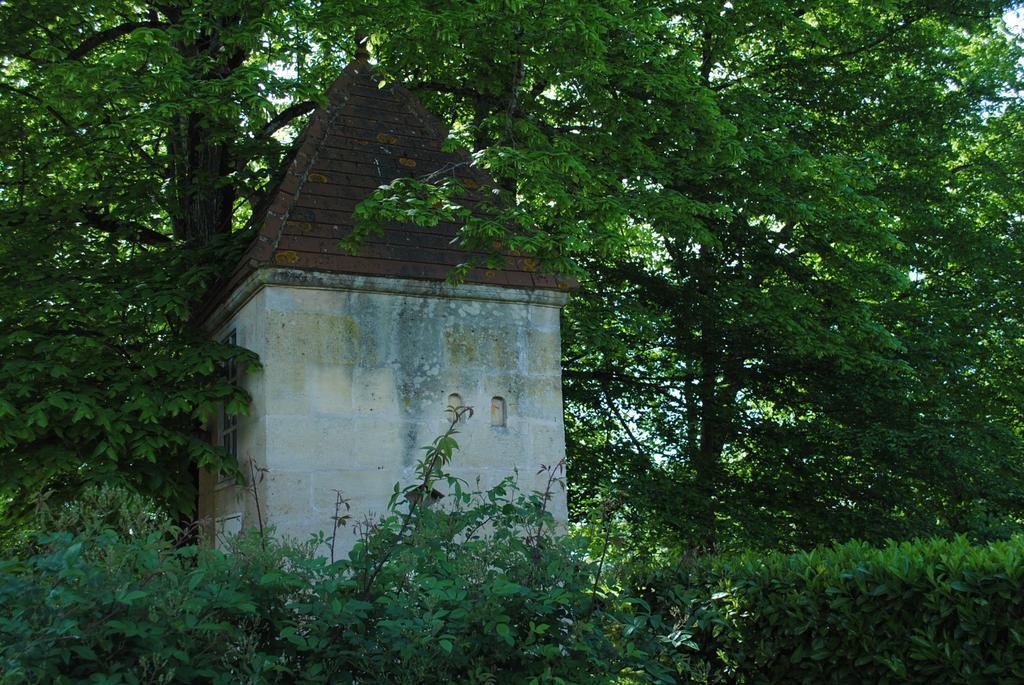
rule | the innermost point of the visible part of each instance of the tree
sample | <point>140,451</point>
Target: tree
<point>800,249</point>
<point>136,136</point>
<point>799,289</point>
<point>785,216</point>
<point>831,354</point>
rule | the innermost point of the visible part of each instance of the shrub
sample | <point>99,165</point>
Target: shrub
<point>481,590</point>
<point>131,606</point>
<point>930,611</point>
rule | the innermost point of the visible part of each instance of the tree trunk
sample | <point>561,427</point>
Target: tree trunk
<point>201,161</point>
<point>204,201</point>
<point>707,453</point>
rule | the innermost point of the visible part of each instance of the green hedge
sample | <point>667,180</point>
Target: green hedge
<point>481,591</point>
<point>931,611</point>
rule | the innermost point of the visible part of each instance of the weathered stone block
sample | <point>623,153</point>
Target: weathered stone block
<point>547,444</point>
<point>541,398</point>
<point>357,380</point>
<point>314,337</point>
<point>375,391</point>
<point>330,389</point>
<point>545,319</point>
<point>382,441</point>
<point>285,385</point>
<point>544,350</point>
<point>366,491</point>
<point>286,493</point>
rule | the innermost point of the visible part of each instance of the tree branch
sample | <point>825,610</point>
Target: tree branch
<point>111,34</point>
<point>130,230</point>
<point>281,120</point>
<point>35,98</point>
<point>610,404</point>
<point>285,117</point>
<point>822,60</point>
<point>438,87</point>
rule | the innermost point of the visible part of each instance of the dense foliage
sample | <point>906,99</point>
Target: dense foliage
<point>103,378</point>
<point>481,592</point>
<point>129,135</point>
<point>824,342</point>
<point>800,236</point>
<point>930,611</point>
<point>796,225</point>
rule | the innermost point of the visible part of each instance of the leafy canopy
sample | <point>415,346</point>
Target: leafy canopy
<point>795,224</point>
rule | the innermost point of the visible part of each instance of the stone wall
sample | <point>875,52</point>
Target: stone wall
<point>357,377</point>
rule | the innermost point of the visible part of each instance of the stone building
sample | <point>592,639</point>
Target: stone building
<point>362,354</point>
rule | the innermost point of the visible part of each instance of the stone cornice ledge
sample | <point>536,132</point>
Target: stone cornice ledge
<point>300,278</point>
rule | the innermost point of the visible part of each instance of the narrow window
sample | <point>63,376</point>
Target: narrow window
<point>454,405</point>
<point>499,412</point>
<point>229,422</point>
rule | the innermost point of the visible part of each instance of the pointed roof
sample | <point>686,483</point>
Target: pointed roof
<point>368,136</point>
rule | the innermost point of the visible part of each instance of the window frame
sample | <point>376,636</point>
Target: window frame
<point>227,426</point>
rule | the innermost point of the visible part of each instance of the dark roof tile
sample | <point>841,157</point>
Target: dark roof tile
<point>367,137</point>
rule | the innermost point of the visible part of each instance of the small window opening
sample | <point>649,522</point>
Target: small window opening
<point>499,412</point>
<point>454,405</point>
